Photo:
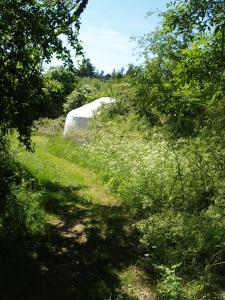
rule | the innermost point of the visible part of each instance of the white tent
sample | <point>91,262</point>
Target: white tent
<point>80,117</point>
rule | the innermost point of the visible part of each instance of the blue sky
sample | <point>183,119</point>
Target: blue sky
<point>108,25</point>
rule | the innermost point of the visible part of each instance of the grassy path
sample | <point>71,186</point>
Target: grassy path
<point>89,250</point>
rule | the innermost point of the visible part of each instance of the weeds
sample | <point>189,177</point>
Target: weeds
<point>173,188</point>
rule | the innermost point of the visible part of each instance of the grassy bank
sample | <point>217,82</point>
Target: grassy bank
<point>88,249</point>
<point>124,203</point>
<point>173,191</point>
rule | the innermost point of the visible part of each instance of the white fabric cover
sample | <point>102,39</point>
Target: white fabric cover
<point>80,117</point>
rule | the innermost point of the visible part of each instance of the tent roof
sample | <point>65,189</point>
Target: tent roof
<point>88,110</point>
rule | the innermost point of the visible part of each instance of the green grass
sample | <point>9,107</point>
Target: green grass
<point>50,165</point>
<point>89,251</point>
<point>93,245</point>
<point>172,189</point>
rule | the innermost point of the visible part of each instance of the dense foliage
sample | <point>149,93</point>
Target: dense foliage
<point>59,82</point>
<point>160,147</point>
<point>172,175</point>
<point>31,33</point>
<point>65,89</point>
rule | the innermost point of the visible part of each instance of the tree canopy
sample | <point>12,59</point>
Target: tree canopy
<point>184,81</point>
<point>31,32</point>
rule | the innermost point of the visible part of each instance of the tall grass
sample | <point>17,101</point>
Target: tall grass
<point>22,217</point>
<point>174,190</point>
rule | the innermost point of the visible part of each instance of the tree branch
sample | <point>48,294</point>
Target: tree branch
<point>81,8</point>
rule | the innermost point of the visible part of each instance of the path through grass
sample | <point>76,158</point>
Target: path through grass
<point>89,251</point>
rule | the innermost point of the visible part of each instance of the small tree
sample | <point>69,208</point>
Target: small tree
<point>59,82</point>
<point>86,69</point>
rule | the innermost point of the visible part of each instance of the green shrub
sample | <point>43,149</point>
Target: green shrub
<point>170,286</point>
<point>124,94</point>
<point>87,90</point>
<point>77,98</point>
<point>23,215</point>
<point>90,89</point>
<point>7,169</point>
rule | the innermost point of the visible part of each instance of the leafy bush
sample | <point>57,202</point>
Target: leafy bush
<point>51,103</point>
<point>23,215</point>
<point>7,169</point>
<point>170,286</point>
<point>90,89</point>
<point>87,90</point>
<point>78,97</point>
<point>124,94</point>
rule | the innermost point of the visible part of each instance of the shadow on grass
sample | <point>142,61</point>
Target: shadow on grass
<point>87,244</point>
